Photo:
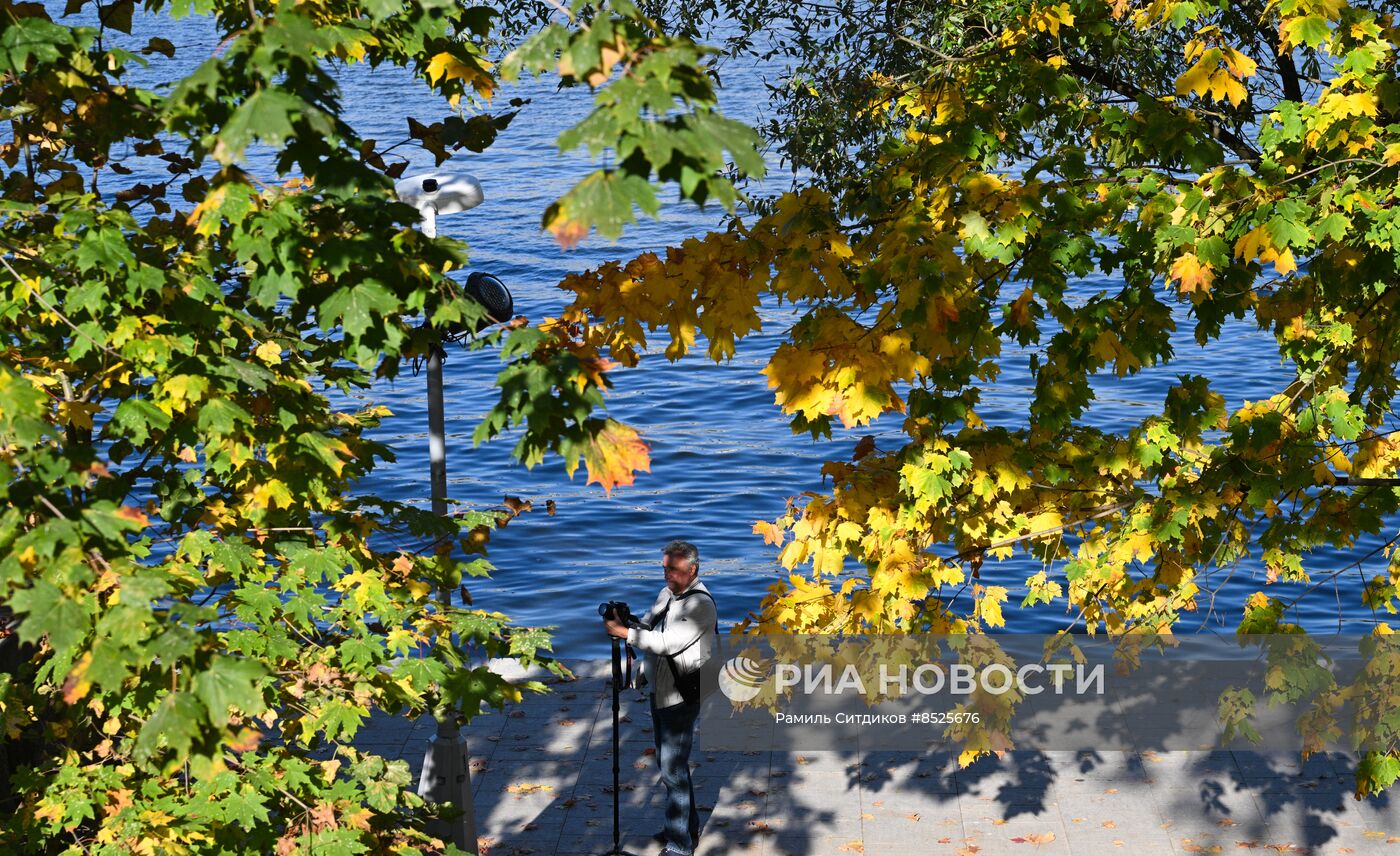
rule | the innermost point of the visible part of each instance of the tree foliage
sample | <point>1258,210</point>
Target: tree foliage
<point>201,608</point>
<point>208,603</point>
<point>958,168</point>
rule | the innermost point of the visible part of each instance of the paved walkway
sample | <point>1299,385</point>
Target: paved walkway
<point>542,775</point>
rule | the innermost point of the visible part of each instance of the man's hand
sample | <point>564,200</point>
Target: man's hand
<point>615,628</point>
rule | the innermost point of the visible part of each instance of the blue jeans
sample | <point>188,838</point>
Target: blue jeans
<point>673,729</point>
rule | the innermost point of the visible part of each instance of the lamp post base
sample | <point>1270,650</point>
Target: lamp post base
<point>446,779</point>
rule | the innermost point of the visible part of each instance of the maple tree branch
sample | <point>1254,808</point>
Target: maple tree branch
<point>1352,481</point>
<point>59,514</point>
<point>1337,573</point>
<point>44,303</point>
<point>1102,77</point>
<point>1101,511</point>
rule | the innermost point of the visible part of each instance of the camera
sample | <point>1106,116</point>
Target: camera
<point>619,611</point>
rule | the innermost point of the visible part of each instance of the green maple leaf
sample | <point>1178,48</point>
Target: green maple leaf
<point>175,724</point>
<point>103,248</point>
<point>230,682</point>
<point>138,419</point>
<point>604,201</point>
<point>266,115</point>
<point>245,806</point>
<point>48,612</point>
<point>351,307</point>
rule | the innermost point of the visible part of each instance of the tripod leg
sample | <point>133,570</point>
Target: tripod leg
<point>617,748</point>
<point>616,741</point>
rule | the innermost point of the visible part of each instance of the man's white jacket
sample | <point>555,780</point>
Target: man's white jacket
<point>687,632</point>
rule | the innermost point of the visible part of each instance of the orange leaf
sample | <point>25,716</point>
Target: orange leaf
<point>772,534</point>
<point>76,685</point>
<point>1190,275</point>
<point>615,454</point>
<point>126,512</point>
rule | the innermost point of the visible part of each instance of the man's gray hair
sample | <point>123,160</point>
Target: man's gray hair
<point>685,550</point>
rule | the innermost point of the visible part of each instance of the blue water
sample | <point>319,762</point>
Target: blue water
<point>722,454</point>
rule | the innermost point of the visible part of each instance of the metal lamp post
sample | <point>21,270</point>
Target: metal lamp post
<point>446,776</point>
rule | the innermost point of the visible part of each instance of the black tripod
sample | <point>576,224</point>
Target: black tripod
<point>617,683</point>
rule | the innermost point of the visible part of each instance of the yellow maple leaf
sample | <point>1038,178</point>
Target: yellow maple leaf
<point>77,413</point>
<point>271,494</point>
<point>1223,87</point>
<point>52,811</point>
<point>1197,78</point>
<point>988,607</point>
<point>444,67</point>
<point>615,454</point>
<point>1238,64</point>
<point>1207,78</point>
<point>1255,243</point>
<point>205,215</point>
<point>1190,275</point>
<point>1137,545</point>
<point>157,818</point>
<point>1049,19</point>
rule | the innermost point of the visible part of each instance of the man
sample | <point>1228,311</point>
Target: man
<point>680,638</point>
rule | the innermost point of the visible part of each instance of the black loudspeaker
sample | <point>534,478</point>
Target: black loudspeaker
<point>487,290</point>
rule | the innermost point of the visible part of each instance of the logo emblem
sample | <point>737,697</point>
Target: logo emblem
<point>741,679</point>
